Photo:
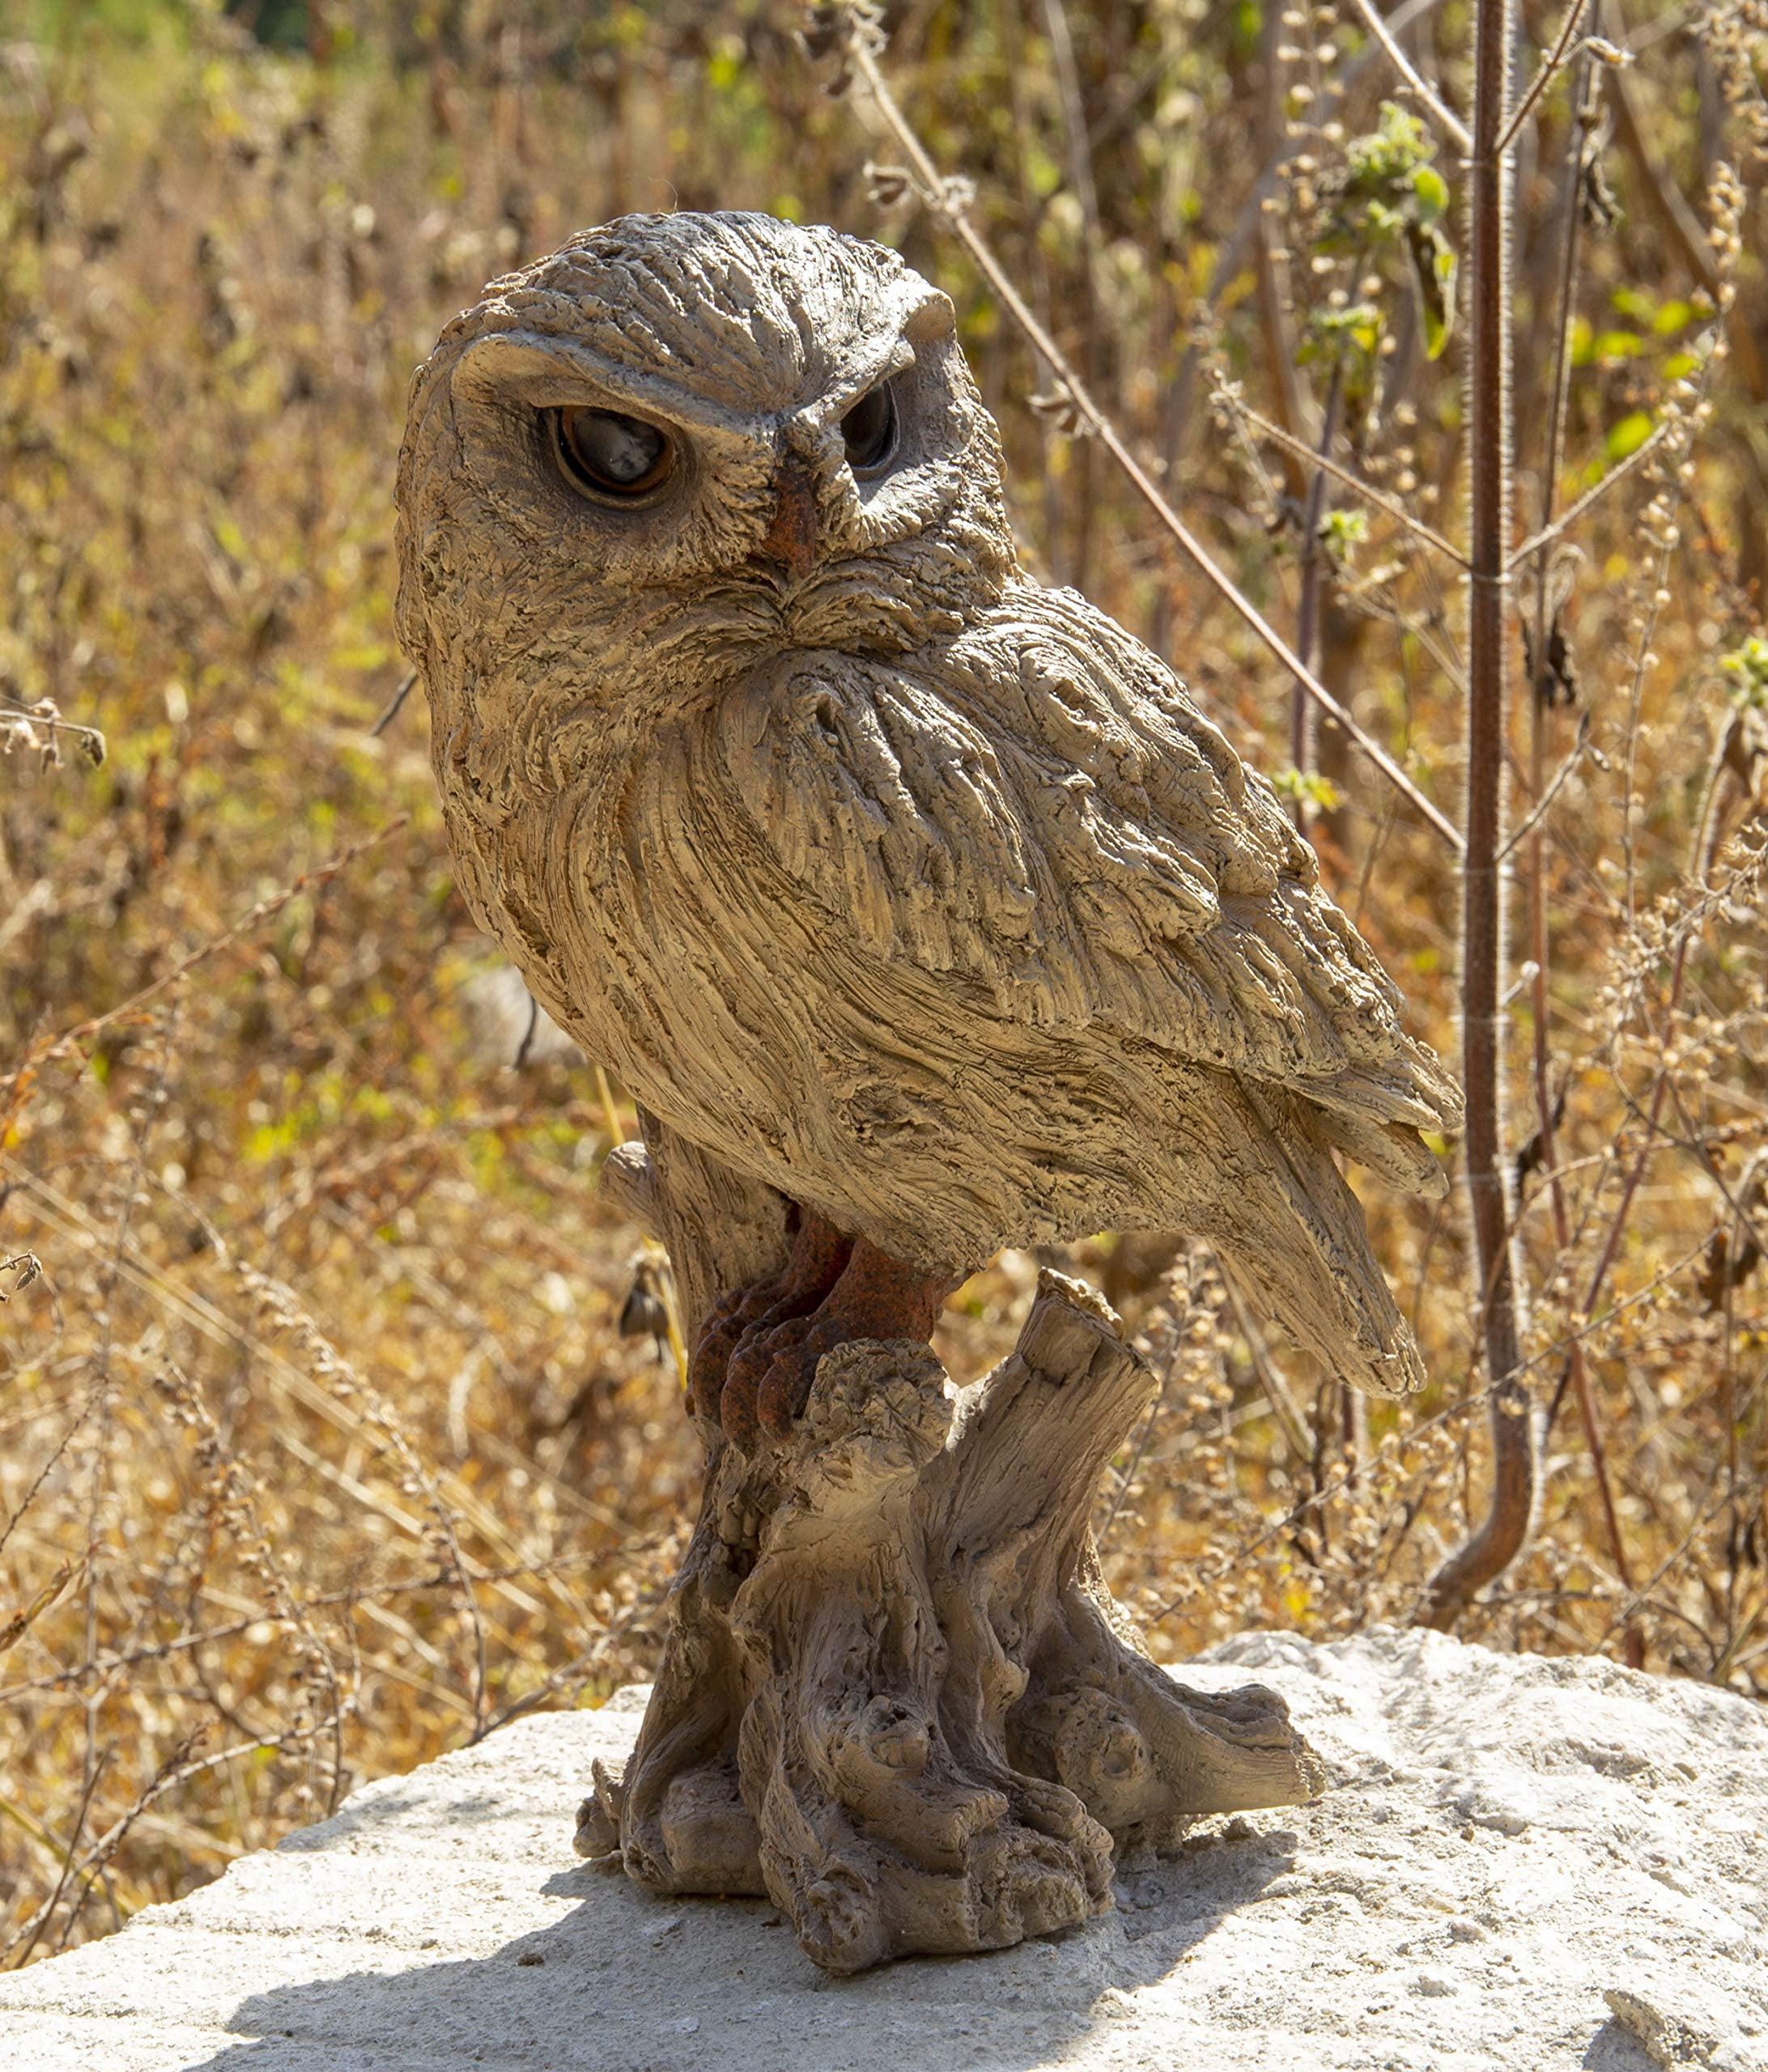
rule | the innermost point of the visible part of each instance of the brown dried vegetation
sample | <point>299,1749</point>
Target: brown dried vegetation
<point>320,1446</point>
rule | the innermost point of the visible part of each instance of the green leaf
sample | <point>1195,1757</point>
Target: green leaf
<point>1433,267</point>
<point>1320,792</point>
<point>1332,333</point>
<point>1343,532</point>
<point>1628,436</point>
<point>1432,193</point>
<point>1616,345</point>
<point>1747,666</point>
<point>1043,173</point>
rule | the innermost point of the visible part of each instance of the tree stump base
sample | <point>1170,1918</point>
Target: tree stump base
<point>896,1696</point>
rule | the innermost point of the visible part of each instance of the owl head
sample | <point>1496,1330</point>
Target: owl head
<point>679,443</point>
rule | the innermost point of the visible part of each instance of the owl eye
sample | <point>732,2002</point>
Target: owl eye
<point>869,430</point>
<point>611,454</point>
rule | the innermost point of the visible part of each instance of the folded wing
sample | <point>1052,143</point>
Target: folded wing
<point>1049,823</point>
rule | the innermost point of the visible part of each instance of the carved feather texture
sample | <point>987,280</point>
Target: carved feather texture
<point>922,893</point>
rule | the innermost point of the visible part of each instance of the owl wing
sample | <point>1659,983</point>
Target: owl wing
<point>1043,818</point>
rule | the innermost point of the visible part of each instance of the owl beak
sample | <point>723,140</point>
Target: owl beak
<point>791,540</point>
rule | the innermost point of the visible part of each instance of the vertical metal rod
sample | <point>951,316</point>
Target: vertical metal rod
<point>1501,1536</point>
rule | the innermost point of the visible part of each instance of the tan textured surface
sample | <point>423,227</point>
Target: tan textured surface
<point>916,891</point>
<point>899,887</point>
<point>896,1696</point>
<point>1508,1840</point>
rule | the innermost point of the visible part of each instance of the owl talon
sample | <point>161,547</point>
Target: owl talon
<point>768,1377</point>
<point>770,1344</point>
<point>733,1326</point>
<point>718,1340</point>
<point>819,1253</point>
<point>785,1387</point>
<point>737,1418</point>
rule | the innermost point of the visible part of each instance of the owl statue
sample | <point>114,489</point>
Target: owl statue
<point>878,871</point>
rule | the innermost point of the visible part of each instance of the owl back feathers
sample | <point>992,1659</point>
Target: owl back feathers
<point>993,943</point>
<point>1052,825</point>
<point>924,894</point>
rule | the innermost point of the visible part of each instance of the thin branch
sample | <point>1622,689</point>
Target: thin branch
<point>1234,1560</point>
<point>1379,499</point>
<point>179,1771</point>
<point>399,697</point>
<point>1538,812</point>
<point>90,740</point>
<point>1288,377</point>
<point>1685,935</point>
<point>1284,1407</point>
<point>195,1309</point>
<point>362,1594</point>
<point>1637,1600</point>
<point>1436,640</point>
<point>1307,608</point>
<point>1578,159</point>
<point>1574,511</point>
<point>581,1667</point>
<point>43,1473</point>
<point>949,203</point>
<point>1232,254</point>
<point>1083,502</point>
<point>1454,127</point>
<point>1551,65</point>
<point>1668,201</point>
<point>33,1929</point>
<point>264,910</point>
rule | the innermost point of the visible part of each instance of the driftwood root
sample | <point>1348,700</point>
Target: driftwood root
<point>896,1695</point>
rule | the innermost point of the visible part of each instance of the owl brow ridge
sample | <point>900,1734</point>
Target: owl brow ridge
<point>729,274</point>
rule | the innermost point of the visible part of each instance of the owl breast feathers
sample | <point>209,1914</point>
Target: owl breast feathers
<point>940,907</point>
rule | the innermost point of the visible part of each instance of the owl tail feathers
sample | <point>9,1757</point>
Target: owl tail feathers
<point>1293,1235</point>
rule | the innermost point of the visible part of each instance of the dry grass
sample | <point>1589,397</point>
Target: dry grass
<point>320,1449</point>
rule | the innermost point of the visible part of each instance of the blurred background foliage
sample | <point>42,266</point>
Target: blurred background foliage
<point>322,1445</point>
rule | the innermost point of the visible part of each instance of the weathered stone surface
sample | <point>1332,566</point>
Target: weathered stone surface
<point>1522,1863</point>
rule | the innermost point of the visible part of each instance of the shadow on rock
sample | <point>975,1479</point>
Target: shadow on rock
<point>1614,2048</point>
<point>643,1984</point>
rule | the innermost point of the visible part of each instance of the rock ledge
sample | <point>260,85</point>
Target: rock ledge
<point>1523,1863</point>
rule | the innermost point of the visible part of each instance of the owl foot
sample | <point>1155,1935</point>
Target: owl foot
<point>768,1381</point>
<point>818,1253</point>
